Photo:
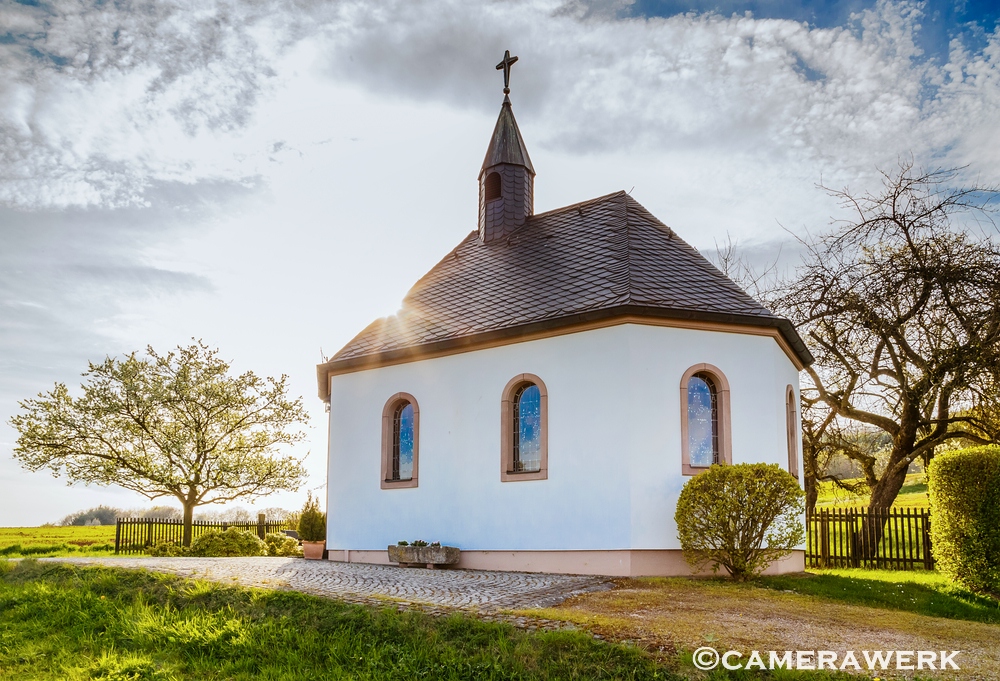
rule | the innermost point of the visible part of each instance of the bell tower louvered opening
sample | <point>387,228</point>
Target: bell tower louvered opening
<point>493,186</point>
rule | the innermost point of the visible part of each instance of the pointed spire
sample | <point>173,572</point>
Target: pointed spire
<point>507,179</point>
<point>507,145</point>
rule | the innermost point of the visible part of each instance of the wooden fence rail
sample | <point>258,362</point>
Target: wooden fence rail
<point>896,538</point>
<point>135,535</point>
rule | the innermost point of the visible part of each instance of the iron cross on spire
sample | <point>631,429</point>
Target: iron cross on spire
<point>505,65</point>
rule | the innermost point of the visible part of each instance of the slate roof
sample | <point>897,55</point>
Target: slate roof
<point>604,257</point>
<point>506,144</point>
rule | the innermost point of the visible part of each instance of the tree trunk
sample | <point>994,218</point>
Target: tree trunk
<point>886,490</point>
<point>188,520</point>
<point>812,490</point>
<point>884,493</point>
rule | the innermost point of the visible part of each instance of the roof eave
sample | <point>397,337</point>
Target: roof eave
<point>801,355</point>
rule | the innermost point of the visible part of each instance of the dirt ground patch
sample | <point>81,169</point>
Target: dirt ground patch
<point>667,615</point>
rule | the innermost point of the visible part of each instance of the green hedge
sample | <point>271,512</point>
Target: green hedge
<point>964,487</point>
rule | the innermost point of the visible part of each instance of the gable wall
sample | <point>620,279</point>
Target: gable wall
<point>758,373</point>
<point>614,440</point>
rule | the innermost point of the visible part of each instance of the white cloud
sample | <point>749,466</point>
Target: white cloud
<point>99,101</point>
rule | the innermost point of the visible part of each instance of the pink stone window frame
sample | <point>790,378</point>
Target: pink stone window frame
<point>507,472</point>
<point>723,422</point>
<point>388,413</point>
<point>792,431</point>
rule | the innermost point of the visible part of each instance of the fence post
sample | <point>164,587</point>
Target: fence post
<point>824,539</point>
<point>854,560</point>
<point>261,521</point>
<point>118,535</point>
<point>926,525</point>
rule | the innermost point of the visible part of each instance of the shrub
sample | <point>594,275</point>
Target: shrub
<point>168,549</point>
<point>964,487</point>
<point>232,542</point>
<point>279,544</point>
<point>312,521</point>
<point>742,517</point>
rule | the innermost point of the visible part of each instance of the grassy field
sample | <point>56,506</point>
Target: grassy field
<point>912,495</point>
<point>16,542</point>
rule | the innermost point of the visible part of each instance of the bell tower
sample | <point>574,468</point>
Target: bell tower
<point>507,179</point>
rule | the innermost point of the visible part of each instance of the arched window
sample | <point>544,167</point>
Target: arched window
<point>400,439</point>
<point>492,188</point>
<point>705,438</point>
<point>792,426</point>
<point>524,435</point>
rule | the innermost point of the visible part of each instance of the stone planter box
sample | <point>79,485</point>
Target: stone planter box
<point>429,556</point>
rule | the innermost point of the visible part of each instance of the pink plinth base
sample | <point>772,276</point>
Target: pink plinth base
<point>616,563</point>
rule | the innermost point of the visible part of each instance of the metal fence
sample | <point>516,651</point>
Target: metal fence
<point>896,538</point>
<point>135,535</point>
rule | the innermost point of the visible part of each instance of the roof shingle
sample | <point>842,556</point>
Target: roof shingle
<point>601,256</point>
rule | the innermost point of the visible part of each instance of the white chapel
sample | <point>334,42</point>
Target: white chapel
<point>549,386</point>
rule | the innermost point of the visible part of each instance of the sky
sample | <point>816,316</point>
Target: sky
<point>270,177</point>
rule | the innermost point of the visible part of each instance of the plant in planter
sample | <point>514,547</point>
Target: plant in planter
<point>312,529</point>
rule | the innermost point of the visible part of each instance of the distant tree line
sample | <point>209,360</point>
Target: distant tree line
<point>106,515</point>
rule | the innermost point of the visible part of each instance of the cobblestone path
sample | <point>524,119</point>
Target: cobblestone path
<point>437,591</point>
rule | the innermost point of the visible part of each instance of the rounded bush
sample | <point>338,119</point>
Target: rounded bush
<point>312,521</point>
<point>279,544</point>
<point>233,542</point>
<point>742,517</point>
<point>167,549</point>
<point>964,488</point>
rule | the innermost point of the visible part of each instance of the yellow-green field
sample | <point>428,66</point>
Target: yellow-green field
<point>912,495</point>
<point>98,540</point>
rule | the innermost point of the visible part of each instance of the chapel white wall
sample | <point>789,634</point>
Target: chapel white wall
<point>614,440</point>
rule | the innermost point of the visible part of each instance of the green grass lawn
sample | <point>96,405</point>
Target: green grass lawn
<point>66,622</point>
<point>98,540</point>
<point>919,591</point>
<point>913,494</point>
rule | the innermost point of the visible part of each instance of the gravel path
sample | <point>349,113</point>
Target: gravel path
<point>437,591</point>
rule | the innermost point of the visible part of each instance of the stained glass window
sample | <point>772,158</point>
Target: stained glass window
<point>528,428</point>
<point>703,421</point>
<point>402,442</point>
